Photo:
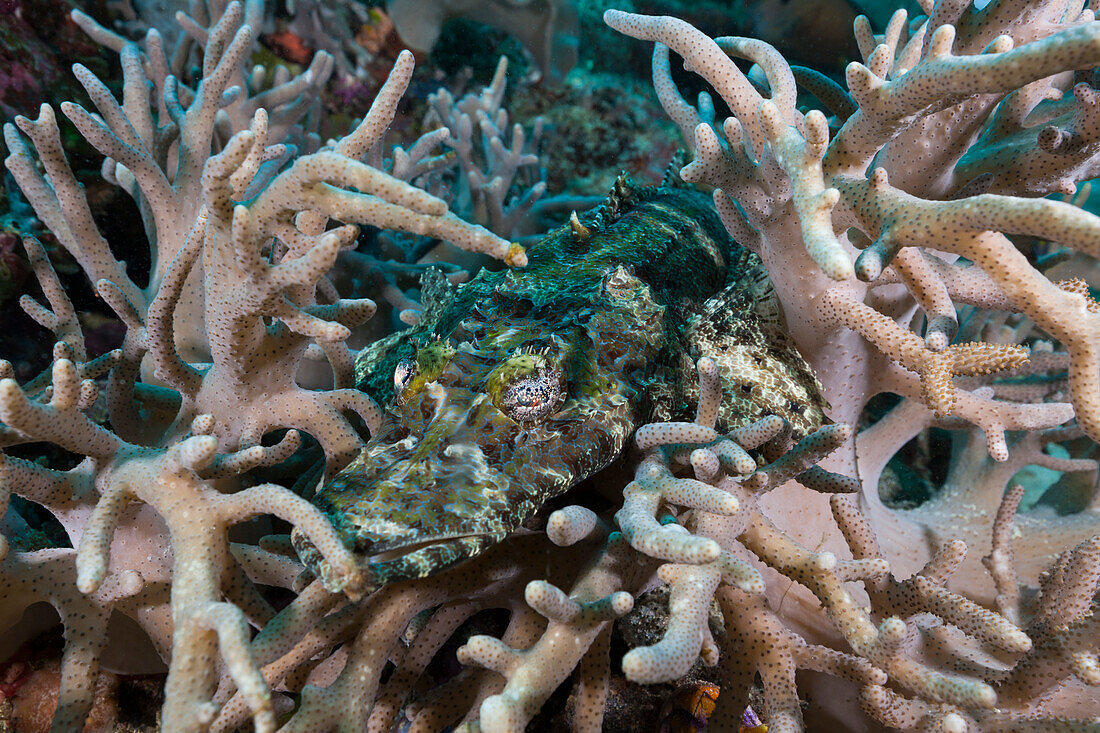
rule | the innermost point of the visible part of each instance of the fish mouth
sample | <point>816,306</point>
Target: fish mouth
<point>423,496</point>
<point>378,555</point>
<point>403,531</point>
<point>412,504</point>
<point>403,561</point>
<point>385,501</point>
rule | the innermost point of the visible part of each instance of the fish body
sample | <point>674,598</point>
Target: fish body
<point>517,385</point>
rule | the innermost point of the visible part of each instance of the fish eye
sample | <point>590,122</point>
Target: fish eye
<point>403,374</point>
<point>533,397</point>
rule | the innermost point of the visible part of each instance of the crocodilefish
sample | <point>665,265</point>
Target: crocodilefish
<point>514,387</point>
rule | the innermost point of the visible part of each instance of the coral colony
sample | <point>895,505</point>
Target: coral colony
<point>724,371</point>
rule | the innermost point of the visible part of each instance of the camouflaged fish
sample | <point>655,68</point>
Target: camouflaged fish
<point>516,386</point>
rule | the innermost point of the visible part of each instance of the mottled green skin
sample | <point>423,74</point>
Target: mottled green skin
<point>619,307</point>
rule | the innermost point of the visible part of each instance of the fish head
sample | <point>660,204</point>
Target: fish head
<point>484,426</point>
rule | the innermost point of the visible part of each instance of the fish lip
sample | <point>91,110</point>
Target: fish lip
<point>400,501</point>
<point>388,550</point>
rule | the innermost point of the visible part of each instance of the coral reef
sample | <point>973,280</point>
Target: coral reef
<point>151,493</point>
<point>547,28</point>
<point>350,32</point>
<point>37,37</point>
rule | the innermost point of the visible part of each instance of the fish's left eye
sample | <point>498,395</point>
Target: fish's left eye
<point>403,374</point>
<point>533,397</point>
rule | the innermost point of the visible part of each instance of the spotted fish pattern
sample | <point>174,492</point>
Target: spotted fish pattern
<point>517,385</point>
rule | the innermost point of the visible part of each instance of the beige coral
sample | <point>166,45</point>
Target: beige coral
<point>945,130</point>
<point>151,505</point>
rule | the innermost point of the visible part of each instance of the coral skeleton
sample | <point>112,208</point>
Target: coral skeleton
<point>903,232</point>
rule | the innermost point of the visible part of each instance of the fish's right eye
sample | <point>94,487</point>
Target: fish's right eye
<point>403,374</point>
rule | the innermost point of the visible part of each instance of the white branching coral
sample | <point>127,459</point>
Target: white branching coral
<point>960,666</point>
<point>895,172</point>
<point>150,506</point>
<point>498,165</point>
<point>949,130</point>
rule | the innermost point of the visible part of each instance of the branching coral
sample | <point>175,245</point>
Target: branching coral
<point>142,509</point>
<point>948,131</point>
<point>491,173</point>
<point>895,178</point>
<point>493,157</point>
